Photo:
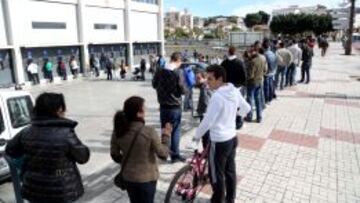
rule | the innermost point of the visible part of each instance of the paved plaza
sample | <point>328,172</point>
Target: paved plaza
<point>307,149</point>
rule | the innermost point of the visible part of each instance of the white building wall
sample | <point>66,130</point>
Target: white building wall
<point>144,26</point>
<point>97,15</point>
<point>106,3</point>
<point>42,11</point>
<point>3,39</point>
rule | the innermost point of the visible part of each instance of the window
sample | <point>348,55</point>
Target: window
<point>48,25</point>
<point>20,110</point>
<point>147,1</point>
<point>99,26</point>
<point>2,124</point>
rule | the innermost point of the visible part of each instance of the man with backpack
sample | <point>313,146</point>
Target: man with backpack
<point>236,75</point>
<point>48,67</point>
<point>62,69</point>
<point>189,83</point>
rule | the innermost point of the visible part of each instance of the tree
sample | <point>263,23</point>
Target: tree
<point>233,19</point>
<point>265,17</point>
<point>350,31</point>
<point>209,36</point>
<point>168,34</point>
<point>197,32</point>
<point>219,33</point>
<point>181,33</point>
<point>293,24</point>
<point>259,18</point>
<point>252,19</point>
<point>235,29</point>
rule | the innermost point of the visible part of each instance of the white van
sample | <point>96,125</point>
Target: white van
<point>15,113</point>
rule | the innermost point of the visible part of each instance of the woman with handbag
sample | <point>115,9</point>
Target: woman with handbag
<point>135,146</point>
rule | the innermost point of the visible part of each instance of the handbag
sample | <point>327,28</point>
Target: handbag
<point>119,179</point>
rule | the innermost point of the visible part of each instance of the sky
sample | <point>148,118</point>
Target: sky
<point>205,8</point>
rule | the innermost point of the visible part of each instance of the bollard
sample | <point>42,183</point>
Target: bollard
<point>15,178</point>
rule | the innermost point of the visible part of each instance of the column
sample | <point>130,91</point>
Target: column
<point>161,26</point>
<point>128,34</point>
<point>11,38</point>
<point>81,26</point>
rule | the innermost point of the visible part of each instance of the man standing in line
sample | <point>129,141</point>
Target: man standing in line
<point>169,88</point>
<point>286,59</point>
<point>307,55</point>
<point>224,105</point>
<point>143,67</point>
<point>33,68</point>
<point>236,75</point>
<point>269,90</point>
<point>296,53</point>
<point>254,84</point>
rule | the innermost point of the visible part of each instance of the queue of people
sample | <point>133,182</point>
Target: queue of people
<point>50,150</point>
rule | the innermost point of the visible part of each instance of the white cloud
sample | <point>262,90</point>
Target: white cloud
<point>268,5</point>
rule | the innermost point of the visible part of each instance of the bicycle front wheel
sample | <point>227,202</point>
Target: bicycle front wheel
<point>186,187</point>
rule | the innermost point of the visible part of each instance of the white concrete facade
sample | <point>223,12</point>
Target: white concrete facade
<point>38,28</point>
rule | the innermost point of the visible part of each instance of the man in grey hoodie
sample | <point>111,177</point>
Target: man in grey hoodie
<point>224,105</point>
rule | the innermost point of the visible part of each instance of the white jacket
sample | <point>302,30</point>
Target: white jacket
<point>224,105</point>
<point>296,53</point>
<point>32,68</point>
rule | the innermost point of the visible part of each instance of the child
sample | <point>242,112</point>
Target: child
<point>205,94</point>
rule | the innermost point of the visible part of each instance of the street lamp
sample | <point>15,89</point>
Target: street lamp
<point>348,47</point>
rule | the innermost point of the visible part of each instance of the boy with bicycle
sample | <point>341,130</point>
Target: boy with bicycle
<point>224,105</point>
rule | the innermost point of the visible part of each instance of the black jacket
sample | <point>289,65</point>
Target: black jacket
<point>235,72</point>
<point>169,88</point>
<point>50,149</point>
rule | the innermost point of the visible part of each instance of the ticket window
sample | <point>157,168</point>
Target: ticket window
<point>54,55</point>
<point>117,51</point>
<point>145,50</point>
<point>7,76</point>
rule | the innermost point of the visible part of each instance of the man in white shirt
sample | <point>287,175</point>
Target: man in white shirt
<point>225,104</point>
<point>291,72</point>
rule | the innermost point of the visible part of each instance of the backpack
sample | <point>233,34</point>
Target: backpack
<point>62,66</point>
<point>190,77</point>
<point>48,66</point>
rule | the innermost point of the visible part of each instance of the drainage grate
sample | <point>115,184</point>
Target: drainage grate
<point>335,95</point>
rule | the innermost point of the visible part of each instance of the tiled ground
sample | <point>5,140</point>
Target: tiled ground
<point>308,147</point>
<point>306,150</point>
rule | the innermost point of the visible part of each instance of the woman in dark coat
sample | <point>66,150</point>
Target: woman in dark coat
<point>50,150</point>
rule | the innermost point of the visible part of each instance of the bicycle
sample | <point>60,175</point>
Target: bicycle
<point>190,180</point>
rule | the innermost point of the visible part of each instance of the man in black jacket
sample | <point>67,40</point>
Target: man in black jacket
<point>169,90</point>
<point>236,74</point>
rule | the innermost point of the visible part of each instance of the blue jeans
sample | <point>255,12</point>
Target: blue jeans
<point>141,192</point>
<point>281,72</point>
<point>188,100</point>
<point>290,75</point>
<point>172,116</point>
<point>268,88</point>
<point>253,93</point>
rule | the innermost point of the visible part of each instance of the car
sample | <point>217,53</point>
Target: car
<point>356,41</point>
<point>197,67</point>
<point>16,109</point>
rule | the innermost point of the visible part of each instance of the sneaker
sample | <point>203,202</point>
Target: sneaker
<point>178,159</point>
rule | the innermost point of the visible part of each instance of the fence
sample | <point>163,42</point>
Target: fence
<point>244,39</point>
